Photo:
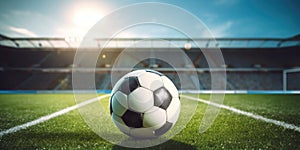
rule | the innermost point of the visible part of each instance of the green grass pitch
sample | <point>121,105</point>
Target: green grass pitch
<point>229,131</point>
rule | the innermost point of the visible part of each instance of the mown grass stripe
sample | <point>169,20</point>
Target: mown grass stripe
<point>50,116</point>
<point>249,114</point>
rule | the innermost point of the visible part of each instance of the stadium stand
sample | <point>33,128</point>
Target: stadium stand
<point>42,66</point>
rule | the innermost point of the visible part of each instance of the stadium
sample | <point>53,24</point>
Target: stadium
<point>260,109</point>
<point>46,63</point>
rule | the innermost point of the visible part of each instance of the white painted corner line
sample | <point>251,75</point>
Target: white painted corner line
<point>51,116</point>
<point>249,114</point>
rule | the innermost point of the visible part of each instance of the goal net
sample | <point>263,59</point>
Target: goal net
<point>291,79</point>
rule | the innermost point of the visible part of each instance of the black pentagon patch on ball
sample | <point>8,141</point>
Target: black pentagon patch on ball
<point>110,106</point>
<point>163,129</point>
<point>162,98</point>
<point>155,72</point>
<point>133,119</point>
<point>129,84</point>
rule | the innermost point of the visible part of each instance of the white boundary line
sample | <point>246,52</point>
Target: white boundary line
<point>68,109</point>
<point>249,114</point>
<point>50,116</point>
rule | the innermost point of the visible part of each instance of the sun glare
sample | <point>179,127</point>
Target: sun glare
<point>86,17</point>
<point>82,17</point>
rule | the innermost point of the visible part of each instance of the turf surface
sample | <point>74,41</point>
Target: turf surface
<point>229,131</point>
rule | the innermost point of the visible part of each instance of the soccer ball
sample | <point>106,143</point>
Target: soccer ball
<point>144,104</point>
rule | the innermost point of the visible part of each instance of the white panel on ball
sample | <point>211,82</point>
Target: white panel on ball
<point>121,98</point>
<point>140,100</point>
<point>154,118</point>
<point>118,108</point>
<point>120,124</point>
<point>168,84</point>
<point>150,81</point>
<point>173,110</point>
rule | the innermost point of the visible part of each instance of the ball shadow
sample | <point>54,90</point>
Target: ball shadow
<point>171,144</point>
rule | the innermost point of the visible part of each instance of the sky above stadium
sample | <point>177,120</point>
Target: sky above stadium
<point>225,18</point>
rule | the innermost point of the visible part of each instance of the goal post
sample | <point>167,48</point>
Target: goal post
<point>285,77</point>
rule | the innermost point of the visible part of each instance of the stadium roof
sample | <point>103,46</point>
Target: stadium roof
<point>152,42</point>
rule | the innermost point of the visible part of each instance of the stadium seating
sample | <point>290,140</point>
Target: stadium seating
<point>57,59</point>
<point>248,69</point>
<point>11,79</point>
